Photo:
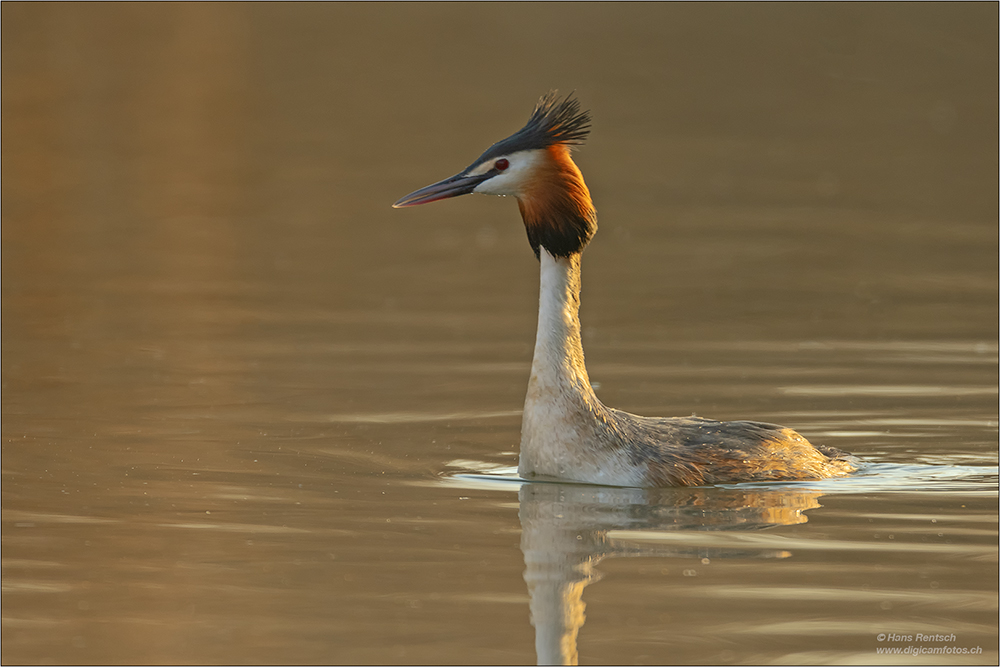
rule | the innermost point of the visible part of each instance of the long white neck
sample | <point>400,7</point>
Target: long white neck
<point>560,408</point>
<point>558,363</point>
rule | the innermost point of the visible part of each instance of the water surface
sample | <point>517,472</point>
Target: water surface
<point>251,414</point>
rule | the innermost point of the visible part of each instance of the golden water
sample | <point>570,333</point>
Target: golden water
<point>252,414</point>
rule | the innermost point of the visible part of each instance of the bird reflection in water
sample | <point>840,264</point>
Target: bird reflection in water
<point>567,529</point>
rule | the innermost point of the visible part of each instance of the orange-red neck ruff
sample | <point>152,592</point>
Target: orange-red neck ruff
<point>556,207</point>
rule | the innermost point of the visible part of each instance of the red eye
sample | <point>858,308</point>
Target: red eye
<point>501,164</point>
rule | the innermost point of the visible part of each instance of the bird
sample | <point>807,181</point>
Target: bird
<point>567,433</point>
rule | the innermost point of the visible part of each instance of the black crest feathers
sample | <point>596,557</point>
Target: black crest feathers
<point>553,121</point>
<point>558,122</point>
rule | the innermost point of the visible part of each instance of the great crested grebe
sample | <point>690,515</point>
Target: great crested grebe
<point>566,432</point>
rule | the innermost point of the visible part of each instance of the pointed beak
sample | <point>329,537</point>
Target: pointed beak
<point>460,184</point>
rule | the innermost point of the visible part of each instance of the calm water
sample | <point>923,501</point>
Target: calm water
<point>251,414</point>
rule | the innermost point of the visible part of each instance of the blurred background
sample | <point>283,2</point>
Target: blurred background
<point>210,307</point>
<point>212,145</point>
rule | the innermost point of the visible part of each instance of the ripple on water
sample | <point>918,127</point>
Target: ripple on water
<point>872,478</point>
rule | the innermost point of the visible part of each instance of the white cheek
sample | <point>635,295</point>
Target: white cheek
<point>502,184</point>
<point>510,182</point>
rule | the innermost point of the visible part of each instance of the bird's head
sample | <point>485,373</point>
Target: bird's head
<point>533,165</point>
